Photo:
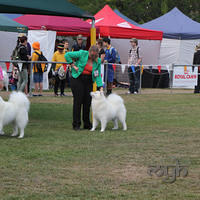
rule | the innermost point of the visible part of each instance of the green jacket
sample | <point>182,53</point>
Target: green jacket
<point>81,58</point>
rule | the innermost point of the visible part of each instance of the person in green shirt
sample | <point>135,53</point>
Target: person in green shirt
<point>84,71</point>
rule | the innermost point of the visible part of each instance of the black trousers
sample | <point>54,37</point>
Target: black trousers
<point>58,83</point>
<point>134,79</point>
<point>81,88</point>
<point>197,87</point>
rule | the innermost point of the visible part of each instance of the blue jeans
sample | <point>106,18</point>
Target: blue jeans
<point>38,77</point>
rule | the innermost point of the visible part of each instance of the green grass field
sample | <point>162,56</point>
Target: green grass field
<point>53,162</point>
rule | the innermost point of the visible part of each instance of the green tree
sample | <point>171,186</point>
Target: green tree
<point>164,6</point>
<point>142,10</point>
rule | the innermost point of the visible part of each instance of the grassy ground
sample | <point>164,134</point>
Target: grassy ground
<point>56,163</point>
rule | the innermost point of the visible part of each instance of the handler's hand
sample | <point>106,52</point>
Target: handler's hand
<point>76,68</point>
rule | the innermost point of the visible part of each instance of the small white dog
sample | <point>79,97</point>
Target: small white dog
<point>106,109</point>
<point>5,80</point>
<point>15,110</point>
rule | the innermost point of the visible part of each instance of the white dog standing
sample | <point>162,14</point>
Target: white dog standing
<point>106,109</point>
<point>15,110</point>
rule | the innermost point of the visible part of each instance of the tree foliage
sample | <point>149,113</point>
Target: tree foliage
<point>143,10</point>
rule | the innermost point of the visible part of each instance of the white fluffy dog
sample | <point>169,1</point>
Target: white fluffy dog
<point>5,80</point>
<point>106,109</point>
<point>15,110</point>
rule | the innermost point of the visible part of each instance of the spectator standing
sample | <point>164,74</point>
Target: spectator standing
<point>85,71</point>
<point>59,57</point>
<point>196,61</point>
<point>134,62</point>
<point>101,50</point>
<point>110,57</point>
<point>79,44</point>
<point>66,47</point>
<point>37,75</point>
<point>15,54</point>
<point>28,46</point>
<point>23,73</point>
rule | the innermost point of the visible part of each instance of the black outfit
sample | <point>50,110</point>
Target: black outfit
<point>134,79</point>
<point>76,47</point>
<point>196,61</point>
<point>81,88</point>
<point>29,48</point>
<point>101,52</point>
<point>68,75</point>
<point>29,65</point>
<point>23,55</point>
<point>60,83</point>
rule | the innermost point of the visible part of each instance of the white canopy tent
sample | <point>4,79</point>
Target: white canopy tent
<point>150,50</point>
<point>47,45</point>
<point>175,51</point>
<point>8,41</point>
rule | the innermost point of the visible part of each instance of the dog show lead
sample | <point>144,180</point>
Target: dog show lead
<point>85,71</point>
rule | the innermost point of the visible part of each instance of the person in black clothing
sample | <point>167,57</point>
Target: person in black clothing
<point>28,46</point>
<point>196,61</point>
<point>66,47</point>
<point>23,73</point>
<point>101,50</point>
<point>79,44</point>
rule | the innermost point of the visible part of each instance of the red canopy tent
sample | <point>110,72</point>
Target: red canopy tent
<point>62,25</point>
<point>110,24</point>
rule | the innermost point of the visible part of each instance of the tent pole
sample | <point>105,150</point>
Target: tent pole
<point>93,33</point>
<point>93,42</point>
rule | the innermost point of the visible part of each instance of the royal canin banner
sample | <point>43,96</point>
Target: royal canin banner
<point>185,77</point>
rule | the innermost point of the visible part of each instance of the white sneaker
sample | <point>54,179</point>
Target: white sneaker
<point>128,92</point>
<point>135,92</point>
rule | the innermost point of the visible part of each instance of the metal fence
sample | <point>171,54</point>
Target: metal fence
<point>151,76</point>
<point>31,68</point>
<point>157,76</point>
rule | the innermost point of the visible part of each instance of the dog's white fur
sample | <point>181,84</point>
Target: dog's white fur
<point>15,111</point>
<point>5,80</point>
<point>106,109</point>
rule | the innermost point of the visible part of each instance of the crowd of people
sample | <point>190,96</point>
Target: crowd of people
<point>20,79</point>
<point>83,68</point>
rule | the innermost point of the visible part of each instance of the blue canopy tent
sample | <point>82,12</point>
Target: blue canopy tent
<point>175,25</point>
<point>12,16</point>
<point>180,37</point>
<point>126,18</point>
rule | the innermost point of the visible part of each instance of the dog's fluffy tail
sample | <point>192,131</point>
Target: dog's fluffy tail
<point>116,99</point>
<point>19,99</point>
